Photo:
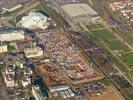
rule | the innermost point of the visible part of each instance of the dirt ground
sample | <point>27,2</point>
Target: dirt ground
<point>113,95</point>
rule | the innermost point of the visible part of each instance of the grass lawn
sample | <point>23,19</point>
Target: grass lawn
<point>12,22</point>
<point>19,17</point>
<point>128,59</point>
<point>117,45</point>
<point>11,48</point>
<point>127,36</point>
<point>95,26</point>
<point>131,73</point>
<point>104,34</point>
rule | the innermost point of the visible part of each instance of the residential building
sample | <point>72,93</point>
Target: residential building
<point>28,71</point>
<point>15,58</point>
<point>10,70</point>
<point>33,52</point>
<point>26,80</point>
<point>21,45</point>
<point>9,80</point>
<point>27,77</point>
<point>37,93</point>
<point>12,35</point>
<point>9,6</point>
<point>3,48</point>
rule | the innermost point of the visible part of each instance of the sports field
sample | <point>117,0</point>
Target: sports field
<point>104,37</point>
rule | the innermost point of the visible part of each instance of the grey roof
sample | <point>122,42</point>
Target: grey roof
<point>11,3</point>
<point>12,59</point>
<point>24,44</point>
<point>63,2</point>
<point>7,30</point>
<point>80,9</point>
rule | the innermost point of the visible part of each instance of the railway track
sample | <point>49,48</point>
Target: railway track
<point>106,75</point>
<point>54,15</point>
<point>81,45</point>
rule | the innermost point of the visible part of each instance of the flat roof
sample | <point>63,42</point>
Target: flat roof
<point>10,30</point>
<point>63,2</point>
<point>8,4</point>
<point>79,9</point>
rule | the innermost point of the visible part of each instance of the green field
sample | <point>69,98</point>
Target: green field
<point>95,26</point>
<point>103,37</point>
<point>104,34</point>
<point>11,48</point>
<point>118,46</point>
<point>127,36</point>
<point>128,59</point>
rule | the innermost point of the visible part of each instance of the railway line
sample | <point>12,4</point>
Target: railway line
<point>55,16</point>
<point>89,56</point>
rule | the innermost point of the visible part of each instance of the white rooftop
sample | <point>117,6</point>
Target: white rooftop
<point>80,9</point>
<point>34,21</point>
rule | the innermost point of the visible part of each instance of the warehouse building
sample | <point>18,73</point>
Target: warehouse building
<point>79,13</point>
<point>64,90</point>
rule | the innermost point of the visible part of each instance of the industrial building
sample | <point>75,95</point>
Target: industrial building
<point>12,35</point>
<point>33,52</point>
<point>64,90</point>
<point>3,48</point>
<point>59,88</point>
<point>79,13</point>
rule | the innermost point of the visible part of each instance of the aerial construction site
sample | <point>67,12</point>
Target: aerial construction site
<point>66,50</point>
<point>66,63</point>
